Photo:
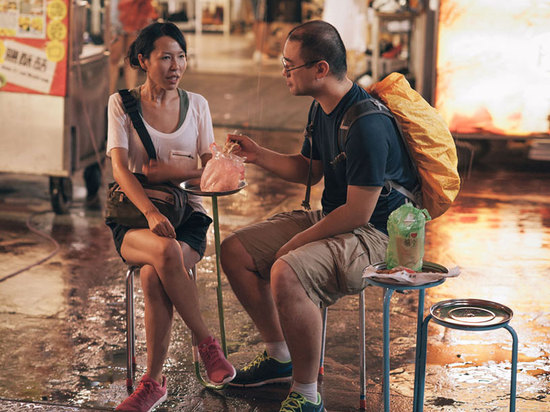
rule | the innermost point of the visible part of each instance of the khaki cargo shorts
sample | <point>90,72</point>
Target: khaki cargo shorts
<point>329,268</point>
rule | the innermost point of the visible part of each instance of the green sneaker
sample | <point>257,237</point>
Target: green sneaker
<point>295,402</point>
<point>261,371</point>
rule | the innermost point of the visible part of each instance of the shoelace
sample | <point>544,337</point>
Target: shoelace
<point>292,403</point>
<point>259,359</point>
<point>211,353</point>
<point>143,390</point>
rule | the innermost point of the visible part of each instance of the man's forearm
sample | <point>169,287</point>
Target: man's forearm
<point>292,168</point>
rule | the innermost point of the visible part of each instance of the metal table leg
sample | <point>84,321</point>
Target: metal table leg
<point>362,358</point>
<point>196,356</point>
<point>218,271</point>
<point>386,349</point>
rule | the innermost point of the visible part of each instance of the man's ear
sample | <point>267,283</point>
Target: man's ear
<point>323,69</point>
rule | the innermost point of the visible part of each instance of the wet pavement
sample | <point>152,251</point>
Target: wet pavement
<point>62,339</point>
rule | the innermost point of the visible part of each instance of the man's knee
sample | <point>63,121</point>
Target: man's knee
<point>233,254</point>
<point>284,282</point>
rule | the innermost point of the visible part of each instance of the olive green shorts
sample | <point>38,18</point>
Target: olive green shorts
<point>328,268</point>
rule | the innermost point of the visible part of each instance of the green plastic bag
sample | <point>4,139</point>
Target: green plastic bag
<point>406,230</point>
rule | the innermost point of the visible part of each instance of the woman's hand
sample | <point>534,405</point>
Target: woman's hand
<point>248,148</point>
<point>159,224</point>
<point>156,172</point>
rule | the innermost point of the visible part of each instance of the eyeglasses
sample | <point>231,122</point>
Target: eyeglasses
<point>287,69</point>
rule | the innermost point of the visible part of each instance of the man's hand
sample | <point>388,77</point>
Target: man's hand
<point>292,244</point>
<point>248,148</point>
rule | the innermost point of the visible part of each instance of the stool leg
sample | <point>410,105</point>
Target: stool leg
<point>195,346</point>
<point>130,331</point>
<point>514,367</point>
<point>323,341</point>
<point>419,320</point>
<point>421,370</point>
<point>386,349</point>
<point>362,359</point>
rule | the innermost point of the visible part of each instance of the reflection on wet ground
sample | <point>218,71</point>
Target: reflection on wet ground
<point>62,342</point>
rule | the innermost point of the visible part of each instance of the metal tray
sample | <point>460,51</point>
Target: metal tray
<point>471,313</point>
<point>193,186</point>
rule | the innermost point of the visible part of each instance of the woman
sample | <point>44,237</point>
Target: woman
<point>165,253</point>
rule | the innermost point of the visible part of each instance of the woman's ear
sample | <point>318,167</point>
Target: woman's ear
<point>142,62</point>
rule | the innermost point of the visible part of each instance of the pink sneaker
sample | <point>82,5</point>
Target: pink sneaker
<point>218,369</point>
<point>148,395</point>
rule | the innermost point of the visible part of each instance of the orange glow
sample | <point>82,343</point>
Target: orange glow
<point>493,66</point>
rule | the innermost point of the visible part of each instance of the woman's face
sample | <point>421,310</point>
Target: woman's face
<point>166,64</point>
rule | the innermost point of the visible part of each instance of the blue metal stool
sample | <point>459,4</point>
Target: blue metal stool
<point>389,288</point>
<point>470,315</point>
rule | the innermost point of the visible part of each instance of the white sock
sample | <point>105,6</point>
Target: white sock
<point>278,350</point>
<point>308,390</point>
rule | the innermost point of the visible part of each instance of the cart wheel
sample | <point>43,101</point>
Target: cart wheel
<point>61,194</point>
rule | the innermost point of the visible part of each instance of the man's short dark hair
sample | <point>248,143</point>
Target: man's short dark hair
<point>321,41</point>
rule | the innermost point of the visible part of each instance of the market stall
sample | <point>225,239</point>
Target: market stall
<point>53,94</point>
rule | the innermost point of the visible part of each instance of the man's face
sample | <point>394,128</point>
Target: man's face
<point>298,73</point>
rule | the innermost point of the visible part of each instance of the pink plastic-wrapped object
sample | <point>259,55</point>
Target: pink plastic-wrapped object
<point>223,172</point>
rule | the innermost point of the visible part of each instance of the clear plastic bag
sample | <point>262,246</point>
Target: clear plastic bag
<point>406,230</point>
<point>223,172</point>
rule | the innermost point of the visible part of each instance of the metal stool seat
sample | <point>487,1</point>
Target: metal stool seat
<point>470,315</point>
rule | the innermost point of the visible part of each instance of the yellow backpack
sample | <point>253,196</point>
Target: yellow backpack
<point>426,135</point>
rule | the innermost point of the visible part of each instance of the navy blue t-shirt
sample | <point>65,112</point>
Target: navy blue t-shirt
<point>374,151</point>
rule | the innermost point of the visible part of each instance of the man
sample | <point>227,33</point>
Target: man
<point>283,270</point>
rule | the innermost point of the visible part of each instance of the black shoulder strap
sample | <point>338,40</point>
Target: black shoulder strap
<point>308,134</point>
<point>184,105</point>
<point>131,107</point>
<point>360,109</point>
<point>364,108</point>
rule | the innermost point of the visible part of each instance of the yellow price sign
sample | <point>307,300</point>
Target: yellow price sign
<point>56,30</point>
<point>2,51</point>
<point>55,51</point>
<point>57,10</point>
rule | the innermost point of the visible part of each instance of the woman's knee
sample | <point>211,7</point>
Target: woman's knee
<point>167,252</point>
<point>150,281</point>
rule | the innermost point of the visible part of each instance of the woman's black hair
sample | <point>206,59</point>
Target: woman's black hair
<point>321,41</point>
<point>145,42</point>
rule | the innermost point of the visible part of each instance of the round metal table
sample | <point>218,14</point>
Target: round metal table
<point>192,186</point>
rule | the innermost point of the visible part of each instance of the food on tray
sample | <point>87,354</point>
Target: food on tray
<point>395,270</point>
<point>224,171</point>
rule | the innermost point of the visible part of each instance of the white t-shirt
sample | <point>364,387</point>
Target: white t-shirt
<point>181,148</point>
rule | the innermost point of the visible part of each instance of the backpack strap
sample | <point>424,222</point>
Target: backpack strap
<point>131,107</point>
<point>308,134</point>
<point>364,108</point>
